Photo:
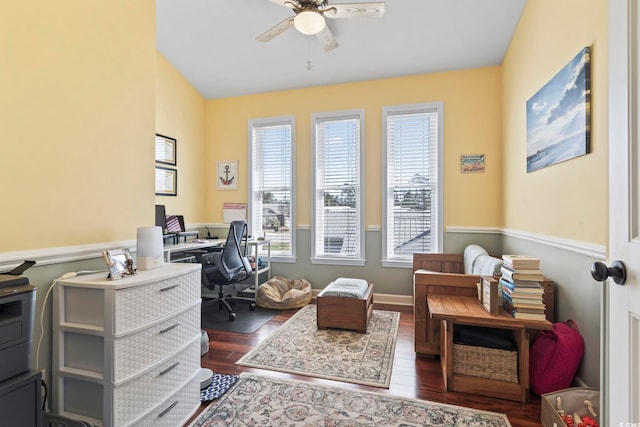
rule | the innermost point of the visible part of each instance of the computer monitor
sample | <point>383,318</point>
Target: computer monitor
<point>161,218</point>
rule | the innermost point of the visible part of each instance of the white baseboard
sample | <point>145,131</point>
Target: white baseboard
<point>393,299</point>
<point>579,382</point>
<point>383,298</point>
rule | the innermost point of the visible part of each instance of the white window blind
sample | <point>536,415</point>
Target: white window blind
<point>412,203</point>
<point>337,228</point>
<point>271,184</point>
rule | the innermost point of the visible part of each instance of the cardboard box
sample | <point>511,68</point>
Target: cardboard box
<point>572,401</point>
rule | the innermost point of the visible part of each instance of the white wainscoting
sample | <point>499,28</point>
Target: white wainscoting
<point>45,256</point>
<point>582,248</point>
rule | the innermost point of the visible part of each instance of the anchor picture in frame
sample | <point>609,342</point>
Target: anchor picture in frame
<point>227,177</point>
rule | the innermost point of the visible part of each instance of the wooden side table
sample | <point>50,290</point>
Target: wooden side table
<point>464,310</point>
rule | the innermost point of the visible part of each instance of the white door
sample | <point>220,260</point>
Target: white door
<point>621,344</point>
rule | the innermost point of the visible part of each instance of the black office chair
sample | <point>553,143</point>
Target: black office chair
<point>228,267</point>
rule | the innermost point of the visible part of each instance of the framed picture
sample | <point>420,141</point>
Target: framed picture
<point>227,176</point>
<point>558,116</point>
<point>165,150</point>
<point>490,296</point>
<point>119,263</point>
<point>166,181</point>
<point>470,163</point>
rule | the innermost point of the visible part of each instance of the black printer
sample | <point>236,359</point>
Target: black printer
<point>17,306</point>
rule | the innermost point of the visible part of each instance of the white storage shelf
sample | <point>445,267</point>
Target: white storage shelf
<point>255,251</point>
<point>126,352</point>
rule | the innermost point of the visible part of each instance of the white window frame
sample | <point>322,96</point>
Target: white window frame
<point>387,193</point>
<point>266,122</point>
<point>359,258</point>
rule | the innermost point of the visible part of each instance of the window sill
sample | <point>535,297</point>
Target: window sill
<point>284,259</point>
<point>358,262</point>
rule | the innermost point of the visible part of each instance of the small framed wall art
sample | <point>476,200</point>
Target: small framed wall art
<point>166,181</point>
<point>165,150</point>
<point>472,163</point>
<point>227,175</point>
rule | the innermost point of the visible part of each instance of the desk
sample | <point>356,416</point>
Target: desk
<point>188,246</point>
<point>465,310</point>
<point>185,234</point>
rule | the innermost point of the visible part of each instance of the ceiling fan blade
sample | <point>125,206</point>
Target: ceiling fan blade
<point>327,40</point>
<point>355,10</point>
<point>285,3</point>
<point>276,30</point>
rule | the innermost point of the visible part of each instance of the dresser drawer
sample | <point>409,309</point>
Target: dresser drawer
<point>177,409</point>
<point>136,397</point>
<point>136,306</point>
<point>135,352</point>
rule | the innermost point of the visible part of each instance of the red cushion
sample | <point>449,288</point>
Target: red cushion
<point>555,357</point>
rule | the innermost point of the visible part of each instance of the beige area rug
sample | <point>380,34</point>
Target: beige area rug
<point>298,347</point>
<point>265,401</point>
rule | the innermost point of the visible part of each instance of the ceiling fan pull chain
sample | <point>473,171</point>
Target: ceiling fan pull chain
<point>309,65</point>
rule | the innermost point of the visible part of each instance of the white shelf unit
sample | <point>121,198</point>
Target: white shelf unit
<point>254,250</point>
<point>127,352</point>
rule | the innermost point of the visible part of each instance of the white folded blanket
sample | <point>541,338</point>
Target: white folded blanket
<point>345,288</point>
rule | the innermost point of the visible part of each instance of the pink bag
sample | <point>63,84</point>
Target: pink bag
<point>554,358</point>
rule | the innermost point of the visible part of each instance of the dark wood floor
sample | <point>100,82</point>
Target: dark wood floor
<point>412,376</point>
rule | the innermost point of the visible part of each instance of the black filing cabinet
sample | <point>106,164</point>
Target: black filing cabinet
<point>20,401</point>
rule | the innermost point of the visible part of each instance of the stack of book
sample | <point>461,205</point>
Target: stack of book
<point>520,287</point>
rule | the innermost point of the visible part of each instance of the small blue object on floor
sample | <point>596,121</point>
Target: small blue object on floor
<point>220,383</point>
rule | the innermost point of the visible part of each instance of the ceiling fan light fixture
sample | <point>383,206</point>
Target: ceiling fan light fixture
<point>309,22</point>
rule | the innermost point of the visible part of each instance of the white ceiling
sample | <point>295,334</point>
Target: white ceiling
<point>212,43</point>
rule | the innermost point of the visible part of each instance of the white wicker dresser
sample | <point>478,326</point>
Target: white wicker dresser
<point>127,352</point>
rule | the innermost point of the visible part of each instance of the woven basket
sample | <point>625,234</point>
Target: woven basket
<point>484,362</point>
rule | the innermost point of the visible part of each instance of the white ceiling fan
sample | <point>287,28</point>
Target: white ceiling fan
<point>309,18</point>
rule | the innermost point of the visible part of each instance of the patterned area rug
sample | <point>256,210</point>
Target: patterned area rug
<point>259,400</point>
<point>220,383</point>
<point>299,347</point>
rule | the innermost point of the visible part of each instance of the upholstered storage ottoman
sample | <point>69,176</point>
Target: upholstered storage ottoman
<point>345,304</point>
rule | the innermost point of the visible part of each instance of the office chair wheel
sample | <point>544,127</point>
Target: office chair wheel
<point>252,306</point>
<point>232,317</point>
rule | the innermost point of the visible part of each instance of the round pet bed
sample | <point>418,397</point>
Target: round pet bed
<point>282,293</point>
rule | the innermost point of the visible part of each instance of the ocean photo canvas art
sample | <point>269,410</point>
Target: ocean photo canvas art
<point>558,116</point>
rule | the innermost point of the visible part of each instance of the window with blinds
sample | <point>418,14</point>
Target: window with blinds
<point>337,235</point>
<point>412,181</point>
<point>271,172</point>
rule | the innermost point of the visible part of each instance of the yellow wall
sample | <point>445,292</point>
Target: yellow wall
<point>180,115</point>
<point>78,117</point>
<point>76,121</point>
<point>567,200</point>
<point>472,114</point>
